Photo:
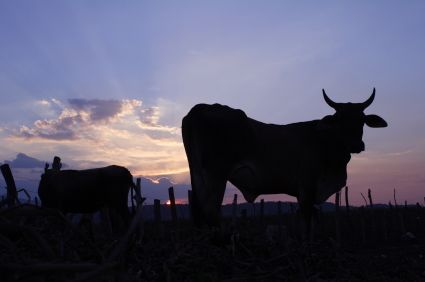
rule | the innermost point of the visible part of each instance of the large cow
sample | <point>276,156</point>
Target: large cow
<point>307,160</point>
<point>87,191</point>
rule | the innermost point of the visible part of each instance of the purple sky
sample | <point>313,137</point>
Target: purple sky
<point>107,82</point>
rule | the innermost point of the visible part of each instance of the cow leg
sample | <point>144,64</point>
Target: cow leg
<point>106,220</point>
<point>207,196</point>
<point>306,204</point>
<point>124,213</point>
<point>120,217</point>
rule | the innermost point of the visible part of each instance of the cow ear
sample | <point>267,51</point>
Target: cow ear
<point>326,123</point>
<point>375,121</point>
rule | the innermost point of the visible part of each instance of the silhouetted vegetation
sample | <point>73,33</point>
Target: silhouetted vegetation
<point>386,244</point>
<point>255,242</point>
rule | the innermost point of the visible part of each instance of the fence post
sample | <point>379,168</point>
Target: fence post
<point>139,205</point>
<point>395,200</point>
<point>172,204</point>
<point>12,194</point>
<point>369,195</point>
<point>365,202</point>
<point>56,165</point>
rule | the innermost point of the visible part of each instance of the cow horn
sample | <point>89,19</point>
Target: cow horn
<point>369,101</point>
<point>329,101</point>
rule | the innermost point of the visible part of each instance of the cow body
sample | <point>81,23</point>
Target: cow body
<point>307,160</point>
<point>87,191</point>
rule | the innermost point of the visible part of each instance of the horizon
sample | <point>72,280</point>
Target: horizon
<point>103,83</point>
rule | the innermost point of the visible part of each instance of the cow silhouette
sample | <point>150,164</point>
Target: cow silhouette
<point>307,160</point>
<point>87,191</point>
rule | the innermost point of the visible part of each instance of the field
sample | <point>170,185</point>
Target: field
<point>362,244</point>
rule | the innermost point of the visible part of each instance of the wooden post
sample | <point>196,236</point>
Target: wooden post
<point>56,165</point>
<point>369,195</point>
<point>139,210</point>
<point>12,194</point>
<point>347,205</point>
<point>172,204</point>
<point>395,200</point>
<point>364,199</point>
<point>337,196</point>
<point>234,209</point>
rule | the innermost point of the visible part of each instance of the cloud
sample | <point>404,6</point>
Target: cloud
<point>93,132</point>
<point>149,116</point>
<point>98,110</point>
<point>24,161</point>
<point>78,118</point>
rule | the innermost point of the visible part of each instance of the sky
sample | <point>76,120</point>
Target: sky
<point>108,82</point>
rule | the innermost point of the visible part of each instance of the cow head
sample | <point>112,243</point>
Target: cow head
<point>349,119</point>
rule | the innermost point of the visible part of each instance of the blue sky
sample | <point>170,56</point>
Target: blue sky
<point>101,82</point>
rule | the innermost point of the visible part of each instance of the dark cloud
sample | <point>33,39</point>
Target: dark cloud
<point>97,109</point>
<point>24,161</point>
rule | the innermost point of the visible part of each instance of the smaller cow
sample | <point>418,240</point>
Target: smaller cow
<point>87,191</point>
